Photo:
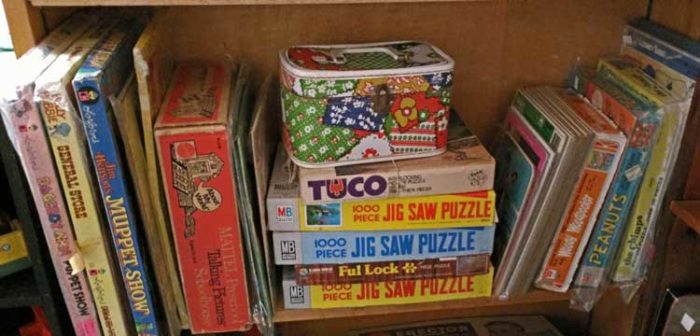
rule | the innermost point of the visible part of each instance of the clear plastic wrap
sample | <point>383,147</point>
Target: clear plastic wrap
<point>22,119</point>
<point>638,119</point>
<point>673,61</point>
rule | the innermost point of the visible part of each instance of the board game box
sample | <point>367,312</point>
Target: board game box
<point>383,293</point>
<point>104,73</point>
<point>192,136</point>
<point>329,274</point>
<point>292,248</point>
<point>287,212</point>
<point>466,166</point>
<point>67,139</point>
<point>25,128</point>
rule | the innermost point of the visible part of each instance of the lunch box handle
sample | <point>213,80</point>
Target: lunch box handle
<point>338,55</point>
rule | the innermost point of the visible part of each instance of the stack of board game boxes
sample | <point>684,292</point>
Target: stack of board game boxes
<point>586,169</point>
<point>397,232</point>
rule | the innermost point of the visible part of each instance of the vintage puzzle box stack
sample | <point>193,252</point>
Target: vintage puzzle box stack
<point>369,202</point>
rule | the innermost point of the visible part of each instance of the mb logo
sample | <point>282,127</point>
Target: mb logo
<point>296,294</point>
<point>285,213</point>
<point>289,250</point>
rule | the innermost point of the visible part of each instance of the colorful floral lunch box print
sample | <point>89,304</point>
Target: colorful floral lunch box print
<point>347,104</point>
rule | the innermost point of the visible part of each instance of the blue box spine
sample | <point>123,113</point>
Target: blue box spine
<point>91,86</point>
<point>114,191</point>
<point>292,248</point>
<point>602,247</point>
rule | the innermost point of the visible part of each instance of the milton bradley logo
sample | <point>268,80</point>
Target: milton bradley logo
<point>296,294</point>
<point>285,213</point>
<point>88,95</point>
<point>356,187</point>
<point>289,250</point>
<point>190,172</point>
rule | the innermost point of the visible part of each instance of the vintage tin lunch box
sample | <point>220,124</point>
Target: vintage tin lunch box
<point>348,104</point>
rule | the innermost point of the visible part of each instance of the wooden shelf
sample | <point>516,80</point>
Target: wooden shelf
<point>19,290</point>
<point>688,212</point>
<point>47,3</point>
<point>293,315</point>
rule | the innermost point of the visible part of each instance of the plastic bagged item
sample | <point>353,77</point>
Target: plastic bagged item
<point>343,104</point>
<point>672,60</point>
<point>639,120</point>
<point>24,127</point>
<point>64,129</point>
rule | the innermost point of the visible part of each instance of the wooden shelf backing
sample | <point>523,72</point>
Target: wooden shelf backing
<point>47,3</point>
<point>688,212</point>
<point>19,290</point>
<point>534,297</point>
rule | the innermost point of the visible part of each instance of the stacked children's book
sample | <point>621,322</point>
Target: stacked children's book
<point>583,171</point>
<point>401,231</point>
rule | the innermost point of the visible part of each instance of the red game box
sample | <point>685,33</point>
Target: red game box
<point>192,136</point>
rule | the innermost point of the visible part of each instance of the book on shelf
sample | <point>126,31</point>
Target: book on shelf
<point>263,143</point>
<point>510,240</point>
<point>636,243</point>
<point>515,177</point>
<point>570,141</point>
<point>242,111</point>
<point>575,227</point>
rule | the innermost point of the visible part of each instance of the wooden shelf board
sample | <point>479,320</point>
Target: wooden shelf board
<point>688,212</point>
<point>294,315</point>
<point>48,3</point>
<point>19,290</point>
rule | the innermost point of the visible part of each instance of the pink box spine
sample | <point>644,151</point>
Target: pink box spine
<point>26,130</point>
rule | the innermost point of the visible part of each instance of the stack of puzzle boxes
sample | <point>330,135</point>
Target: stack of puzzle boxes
<point>397,232</point>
